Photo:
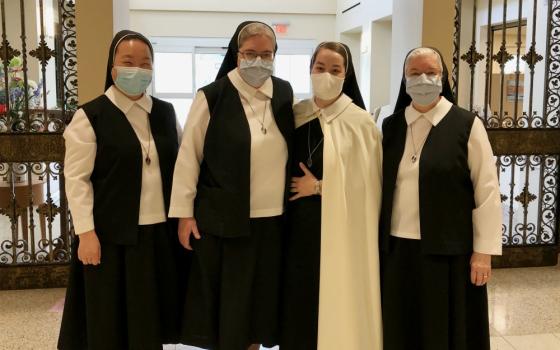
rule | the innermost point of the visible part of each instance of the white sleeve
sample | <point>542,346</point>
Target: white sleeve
<point>187,167</point>
<point>487,216</point>
<point>79,160</point>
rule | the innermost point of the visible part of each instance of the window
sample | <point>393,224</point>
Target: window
<point>505,88</point>
<point>174,73</point>
<point>173,81</point>
<point>207,65</point>
<point>295,69</point>
<point>292,64</point>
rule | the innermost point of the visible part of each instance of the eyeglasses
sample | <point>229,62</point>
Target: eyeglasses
<point>252,55</point>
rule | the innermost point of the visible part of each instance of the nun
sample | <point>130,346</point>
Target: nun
<point>120,154</point>
<point>229,192</point>
<point>331,292</point>
<point>441,216</point>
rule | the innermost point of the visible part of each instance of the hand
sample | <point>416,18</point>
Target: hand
<point>187,226</point>
<point>481,268</point>
<point>89,248</point>
<point>303,186</point>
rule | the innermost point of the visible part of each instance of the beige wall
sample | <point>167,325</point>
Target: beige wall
<point>312,7</point>
<point>222,24</point>
<point>94,30</point>
<point>380,62</point>
<point>13,33</point>
<point>437,27</point>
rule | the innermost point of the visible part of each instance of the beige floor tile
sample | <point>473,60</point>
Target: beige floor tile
<point>522,302</point>
<point>27,323</point>
<point>525,301</point>
<point>499,343</point>
<point>534,342</point>
<point>494,332</point>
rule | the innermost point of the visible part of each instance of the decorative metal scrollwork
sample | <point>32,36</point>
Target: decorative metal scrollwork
<point>7,52</point>
<point>525,197</point>
<point>531,199</point>
<point>35,225</point>
<point>472,57</point>
<point>70,72</point>
<point>43,53</point>
<point>456,47</point>
<point>532,57</point>
<point>502,56</point>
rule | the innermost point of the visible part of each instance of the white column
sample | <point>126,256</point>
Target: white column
<point>121,15</point>
<point>406,35</point>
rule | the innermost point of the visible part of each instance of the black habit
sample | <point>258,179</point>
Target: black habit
<point>131,299</point>
<point>232,299</point>
<point>428,300</point>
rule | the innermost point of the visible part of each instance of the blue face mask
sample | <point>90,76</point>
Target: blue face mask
<point>133,81</point>
<point>256,72</point>
<point>423,88</point>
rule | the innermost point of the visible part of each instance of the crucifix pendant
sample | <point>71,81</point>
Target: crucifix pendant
<point>309,162</point>
<point>263,129</point>
<point>148,160</point>
<point>414,158</point>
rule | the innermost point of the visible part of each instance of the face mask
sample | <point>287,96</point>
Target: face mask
<point>133,81</point>
<point>423,89</point>
<point>256,72</point>
<point>326,86</point>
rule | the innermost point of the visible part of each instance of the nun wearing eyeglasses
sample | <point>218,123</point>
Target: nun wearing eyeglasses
<point>441,216</point>
<point>229,192</point>
<point>331,292</point>
<point>121,148</point>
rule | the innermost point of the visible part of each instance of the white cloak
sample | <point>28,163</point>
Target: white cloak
<point>349,296</point>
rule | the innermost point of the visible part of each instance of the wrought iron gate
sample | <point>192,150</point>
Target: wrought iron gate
<point>506,69</point>
<point>38,94</point>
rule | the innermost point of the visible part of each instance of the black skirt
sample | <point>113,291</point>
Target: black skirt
<point>302,252</point>
<point>232,298</point>
<point>300,296</point>
<point>129,301</point>
<point>302,257</point>
<point>429,302</point>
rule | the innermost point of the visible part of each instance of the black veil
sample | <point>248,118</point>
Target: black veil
<point>120,36</point>
<point>230,60</point>
<point>350,87</point>
<point>404,100</point>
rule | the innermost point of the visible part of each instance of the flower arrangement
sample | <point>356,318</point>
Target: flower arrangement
<point>16,89</point>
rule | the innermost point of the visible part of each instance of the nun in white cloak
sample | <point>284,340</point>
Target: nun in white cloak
<point>331,287</point>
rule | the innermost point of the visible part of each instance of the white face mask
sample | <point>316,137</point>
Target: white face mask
<point>424,89</point>
<point>326,86</point>
<point>256,72</point>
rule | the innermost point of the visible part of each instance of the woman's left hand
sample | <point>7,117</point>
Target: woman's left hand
<point>481,268</point>
<point>303,186</point>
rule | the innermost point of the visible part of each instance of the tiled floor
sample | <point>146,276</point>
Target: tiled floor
<point>525,309</point>
<point>524,313</point>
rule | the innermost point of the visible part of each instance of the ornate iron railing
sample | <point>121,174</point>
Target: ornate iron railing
<point>38,95</point>
<point>519,40</point>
